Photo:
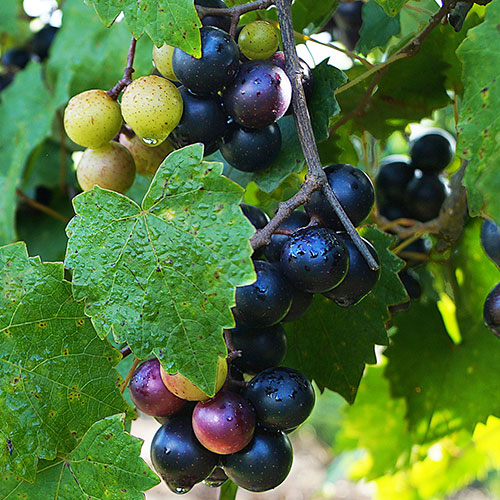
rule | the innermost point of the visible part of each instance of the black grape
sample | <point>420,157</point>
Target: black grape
<point>348,22</point>
<point>314,259</point>
<point>297,220</point>
<point>255,215</point>
<point>216,68</point>
<point>433,151</point>
<point>266,301</point>
<point>411,283</point>
<point>360,279</point>
<point>222,22</point>
<point>260,348</point>
<point>301,302</point>
<point>259,95</point>
<point>393,212</point>
<point>425,196</point>
<point>5,80</point>
<point>16,58</point>
<point>491,312</point>
<point>178,457</point>
<point>42,41</point>
<point>394,176</point>
<point>353,188</point>
<point>490,239</point>
<point>282,398</point>
<point>251,150</point>
<point>203,120</point>
<point>263,464</point>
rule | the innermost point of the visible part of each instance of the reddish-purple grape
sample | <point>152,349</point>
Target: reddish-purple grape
<point>263,464</point>
<point>259,95</point>
<point>354,190</point>
<point>224,424</point>
<point>149,394</point>
<point>282,398</point>
<point>314,259</point>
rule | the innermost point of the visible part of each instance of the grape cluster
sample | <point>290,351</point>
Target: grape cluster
<point>413,188</point>
<point>490,239</point>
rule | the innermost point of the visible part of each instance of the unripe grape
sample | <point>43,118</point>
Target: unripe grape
<point>152,106</point>
<point>183,388</point>
<point>162,57</point>
<point>110,167</point>
<point>147,159</point>
<point>258,40</point>
<point>92,118</point>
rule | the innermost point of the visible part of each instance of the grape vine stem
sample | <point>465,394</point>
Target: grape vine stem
<point>42,208</point>
<point>127,72</point>
<point>130,373</point>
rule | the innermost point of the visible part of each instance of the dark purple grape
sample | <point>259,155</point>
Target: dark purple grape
<point>16,58</point>
<point>260,348</point>
<point>433,151</point>
<point>263,464</point>
<point>42,41</point>
<point>348,20</point>
<point>301,302</point>
<point>149,394</point>
<point>297,220</point>
<point>360,279</point>
<point>306,75</point>
<point>178,457</point>
<point>259,95</point>
<point>393,212</point>
<point>222,22</point>
<point>490,239</point>
<point>394,176</point>
<point>425,196</point>
<point>224,424</point>
<point>216,68</point>
<point>255,215</point>
<point>216,479</point>
<point>314,259</point>
<point>491,312</point>
<point>266,301</point>
<point>353,188</point>
<point>282,398</point>
<point>203,120</point>
<point>251,150</point>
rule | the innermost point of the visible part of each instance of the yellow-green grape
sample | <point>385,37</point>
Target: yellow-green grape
<point>152,106</point>
<point>162,57</point>
<point>110,167</point>
<point>180,386</point>
<point>92,118</point>
<point>147,159</point>
<point>258,40</point>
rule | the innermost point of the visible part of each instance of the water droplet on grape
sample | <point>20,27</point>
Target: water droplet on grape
<point>149,141</point>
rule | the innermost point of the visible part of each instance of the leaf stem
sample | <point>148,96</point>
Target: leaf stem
<point>130,373</point>
<point>42,208</point>
<point>127,72</point>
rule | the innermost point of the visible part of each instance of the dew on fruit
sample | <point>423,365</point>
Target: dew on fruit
<point>149,141</point>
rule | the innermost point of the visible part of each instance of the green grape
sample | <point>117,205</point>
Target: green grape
<point>152,106</point>
<point>162,57</point>
<point>92,118</point>
<point>180,386</point>
<point>258,40</point>
<point>110,167</point>
<point>147,159</point>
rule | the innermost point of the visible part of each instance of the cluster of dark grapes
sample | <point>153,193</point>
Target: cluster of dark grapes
<point>490,239</point>
<point>412,188</point>
<point>17,58</point>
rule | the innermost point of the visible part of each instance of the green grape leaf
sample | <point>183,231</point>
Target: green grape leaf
<point>344,338</point>
<point>162,276</point>
<point>26,112</point>
<point>322,107</point>
<point>479,120</point>
<point>57,376</point>
<point>98,63</point>
<point>448,386</point>
<point>392,7</point>
<point>105,464</point>
<point>310,15</point>
<point>377,28</point>
<point>166,21</point>
<point>228,490</point>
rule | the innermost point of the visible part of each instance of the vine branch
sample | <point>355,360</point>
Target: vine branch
<point>127,72</point>
<point>42,208</point>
